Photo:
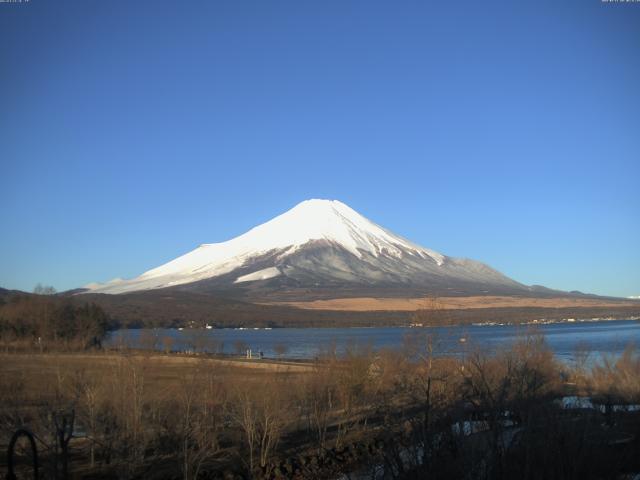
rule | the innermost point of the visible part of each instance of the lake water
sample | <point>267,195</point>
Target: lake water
<point>602,337</point>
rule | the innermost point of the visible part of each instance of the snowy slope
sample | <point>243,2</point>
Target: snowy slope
<point>316,240</point>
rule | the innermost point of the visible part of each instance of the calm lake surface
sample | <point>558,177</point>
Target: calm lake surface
<point>601,338</point>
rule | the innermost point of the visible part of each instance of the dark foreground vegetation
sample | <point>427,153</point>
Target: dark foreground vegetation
<point>409,414</point>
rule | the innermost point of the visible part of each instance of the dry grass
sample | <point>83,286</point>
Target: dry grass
<point>161,371</point>
<point>365,304</point>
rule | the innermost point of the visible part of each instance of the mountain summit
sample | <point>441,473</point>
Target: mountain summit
<point>318,244</point>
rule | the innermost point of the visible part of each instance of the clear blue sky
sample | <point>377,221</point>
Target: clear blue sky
<point>508,132</point>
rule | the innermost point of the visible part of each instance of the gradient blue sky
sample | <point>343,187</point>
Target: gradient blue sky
<point>508,132</point>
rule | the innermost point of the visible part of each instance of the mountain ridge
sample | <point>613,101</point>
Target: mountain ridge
<point>318,244</point>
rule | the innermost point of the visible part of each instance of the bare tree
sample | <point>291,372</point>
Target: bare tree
<point>213,345</point>
<point>319,396</point>
<point>167,344</point>
<point>40,289</point>
<point>240,347</point>
<point>281,349</point>
<point>261,412</point>
<point>148,340</point>
<point>88,394</point>
<point>353,377</point>
<point>615,381</point>
<point>431,384</point>
<point>200,411</point>
<point>128,398</point>
<point>431,313</point>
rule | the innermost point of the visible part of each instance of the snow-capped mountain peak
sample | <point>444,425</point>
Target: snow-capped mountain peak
<point>315,241</point>
<point>329,220</point>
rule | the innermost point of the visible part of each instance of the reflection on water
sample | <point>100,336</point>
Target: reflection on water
<point>567,340</point>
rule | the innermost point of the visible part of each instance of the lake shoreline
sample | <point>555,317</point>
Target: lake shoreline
<point>603,336</point>
<point>409,325</point>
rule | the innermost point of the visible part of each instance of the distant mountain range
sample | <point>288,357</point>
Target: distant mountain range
<point>319,249</point>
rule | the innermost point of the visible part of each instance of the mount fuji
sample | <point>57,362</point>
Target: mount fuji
<point>318,249</point>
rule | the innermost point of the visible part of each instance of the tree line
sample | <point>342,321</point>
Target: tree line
<point>46,321</point>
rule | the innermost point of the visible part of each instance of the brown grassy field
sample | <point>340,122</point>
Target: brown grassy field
<point>161,370</point>
<point>365,304</point>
